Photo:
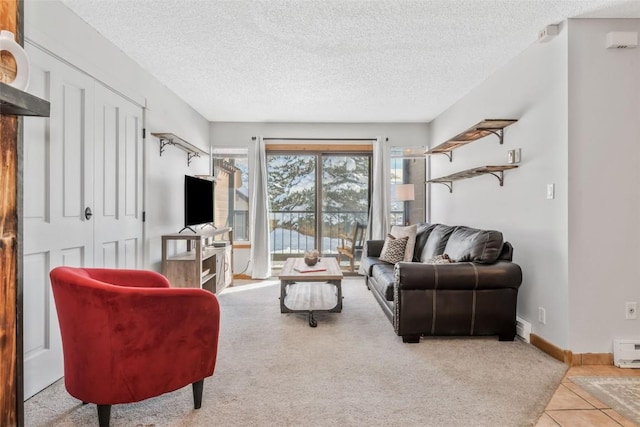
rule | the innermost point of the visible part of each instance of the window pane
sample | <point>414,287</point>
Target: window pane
<point>345,197</point>
<point>241,206</point>
<point>292,197</point>
<point>408,166</point>
<point>231,191</point>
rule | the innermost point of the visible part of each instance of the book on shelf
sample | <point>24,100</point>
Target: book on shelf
<point>307,269</point>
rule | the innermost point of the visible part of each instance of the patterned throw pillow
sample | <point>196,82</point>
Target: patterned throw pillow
<point>393,249</point>
<point>409,231</point>
<point>440,259</point>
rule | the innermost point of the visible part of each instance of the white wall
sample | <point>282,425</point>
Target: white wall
<point>52,26</point>
<point>531,88</point>
<point>236,134</point>
<point>604,196</point>
<point>578,106</point>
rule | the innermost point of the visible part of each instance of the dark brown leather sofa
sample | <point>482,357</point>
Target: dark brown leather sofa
<point>476,295</point>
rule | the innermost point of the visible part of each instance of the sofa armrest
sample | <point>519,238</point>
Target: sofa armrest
<point>373,247</point>
<point>457,276</point>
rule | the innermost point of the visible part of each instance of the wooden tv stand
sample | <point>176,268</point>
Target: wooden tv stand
<point>202,265</point>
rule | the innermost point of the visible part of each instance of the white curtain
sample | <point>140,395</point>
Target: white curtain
<point>259,215</point>
<point>378,226</point>
<point>379,214</point>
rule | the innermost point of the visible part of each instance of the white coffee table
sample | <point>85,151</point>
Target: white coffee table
<point>310,292</point>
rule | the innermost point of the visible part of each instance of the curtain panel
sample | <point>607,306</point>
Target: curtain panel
<point>259,215</point>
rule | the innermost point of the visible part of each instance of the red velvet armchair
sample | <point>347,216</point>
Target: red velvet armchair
<point>127,336</point>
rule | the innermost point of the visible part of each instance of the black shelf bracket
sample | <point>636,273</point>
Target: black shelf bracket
<point>191,155</point>
<point>449,154</point>
<point>500,176</point>
<point>497,132</point>
<point>163,143</point>
<point>448,184</point>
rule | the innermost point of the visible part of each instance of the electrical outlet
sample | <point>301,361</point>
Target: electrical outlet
<point>630,310</point>
<point>542,315</point>
<point>513,156</point>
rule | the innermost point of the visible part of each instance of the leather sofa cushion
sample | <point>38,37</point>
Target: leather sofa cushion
<point>436,242</point>
<point>367,264</point>
<point>470,244</point>
<point>383,280</point>
<point>422,234</point>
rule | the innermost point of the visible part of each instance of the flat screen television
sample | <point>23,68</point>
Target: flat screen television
<point>198,201</point>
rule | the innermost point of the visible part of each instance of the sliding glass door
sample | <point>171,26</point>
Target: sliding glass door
<point>292,200</point>
<point>315,199</point>
<point>345,198</point>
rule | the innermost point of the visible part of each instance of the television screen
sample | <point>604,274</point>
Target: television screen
<point>198,201</point>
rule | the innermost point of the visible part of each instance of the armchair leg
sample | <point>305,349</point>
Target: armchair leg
<point>197,393</point>
<point>104,415</point>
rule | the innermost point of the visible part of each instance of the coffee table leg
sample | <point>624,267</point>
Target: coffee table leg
<point>312,320</point>
<point>283,294</point>
<point>338,285</point>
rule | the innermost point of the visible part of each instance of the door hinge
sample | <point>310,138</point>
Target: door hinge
<point>144,132</point>
<point>144,216</point>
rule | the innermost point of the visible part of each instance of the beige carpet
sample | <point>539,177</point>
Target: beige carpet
<point>352,370</point>
<point>621,393</point>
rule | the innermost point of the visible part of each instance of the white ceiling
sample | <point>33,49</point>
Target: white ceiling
<point>328,61</point>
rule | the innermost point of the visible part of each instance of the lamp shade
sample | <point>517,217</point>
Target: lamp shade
<point>404,192</point>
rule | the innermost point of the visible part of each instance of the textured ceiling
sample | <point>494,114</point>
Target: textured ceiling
<point>328,61</point>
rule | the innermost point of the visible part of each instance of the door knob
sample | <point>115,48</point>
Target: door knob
<point>87,213</point>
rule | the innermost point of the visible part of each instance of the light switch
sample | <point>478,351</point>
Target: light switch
<point>551,191</point>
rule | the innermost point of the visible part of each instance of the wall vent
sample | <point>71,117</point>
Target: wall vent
<point>523,329</point>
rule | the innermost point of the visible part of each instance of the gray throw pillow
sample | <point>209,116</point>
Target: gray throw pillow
<point>393,249</point>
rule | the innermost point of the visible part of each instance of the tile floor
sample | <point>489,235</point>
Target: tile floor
<point>571,406</point>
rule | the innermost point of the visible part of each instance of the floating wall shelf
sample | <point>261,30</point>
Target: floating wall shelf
<point>170,139</point>
<point>497,171</point>
<point>15,102</point>
<point>479,130</point>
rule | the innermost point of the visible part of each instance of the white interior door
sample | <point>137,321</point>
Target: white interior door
<point>88,154</point>
<point>58,186</point>
<point>118,181</point>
